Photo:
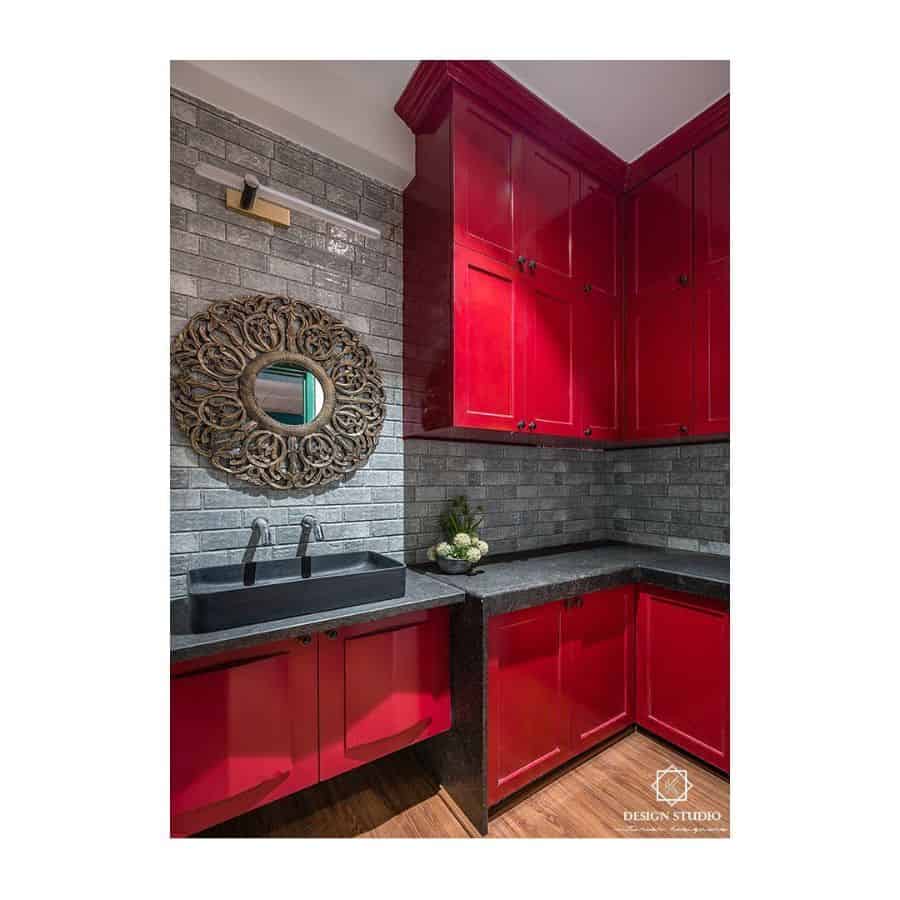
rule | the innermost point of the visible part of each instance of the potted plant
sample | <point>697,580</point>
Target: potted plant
<point>462,547</point>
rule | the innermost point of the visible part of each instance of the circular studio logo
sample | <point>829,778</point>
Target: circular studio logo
<point>672,785</point>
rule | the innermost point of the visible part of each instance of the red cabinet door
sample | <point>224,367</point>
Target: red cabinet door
<point>683,672</point>
<point>711,285</point>
<point>383,686</point>
<point>598,665</point>
<point>659,305</point>
<point>598,370</point>
<point>550,363</point>
<point>243,732</point>
<point>488,343</point>
<point>527,722</point>
<point>484,158</point>
<point>546,196</point>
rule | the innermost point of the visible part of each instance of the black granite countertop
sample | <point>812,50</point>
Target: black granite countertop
<point>517,581</point>
<point>422,592</point>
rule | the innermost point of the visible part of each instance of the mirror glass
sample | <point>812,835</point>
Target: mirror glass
<point>289,393</point>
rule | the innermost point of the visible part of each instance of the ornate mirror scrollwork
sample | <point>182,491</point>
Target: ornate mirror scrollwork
<point>276,392</point>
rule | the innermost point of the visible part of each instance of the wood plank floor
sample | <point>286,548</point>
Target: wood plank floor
<point>396,797</point>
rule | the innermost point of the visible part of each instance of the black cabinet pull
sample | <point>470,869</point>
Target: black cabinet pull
<point>588,288</point>
<point>532,264</point>
<point>521,260</point>
<point>331,634</point>
<point>520,424</point>
<point>304,639</point>
<point>532,425</point>
<point>588,431</point>
<point>683,429</point>
<point>683,279</point>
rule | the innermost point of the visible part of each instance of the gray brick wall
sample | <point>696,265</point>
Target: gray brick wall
<point>674,497</point>
<point>533,497</point>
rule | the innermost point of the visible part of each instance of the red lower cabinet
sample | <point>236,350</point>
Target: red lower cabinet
<point>527,723</point>
<point>251,726</point>
<point>560,679</point>
<point>598,665</point>
<point>243,732</point>
<point>382,686</point>
<point>683,671</point>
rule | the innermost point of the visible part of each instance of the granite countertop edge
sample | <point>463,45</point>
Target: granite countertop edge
<point>422,592</point>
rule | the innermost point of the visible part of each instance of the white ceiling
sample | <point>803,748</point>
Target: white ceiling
<point>345,109</point>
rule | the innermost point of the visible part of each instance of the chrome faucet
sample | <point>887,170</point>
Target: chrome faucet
<point>311,523</point>
<point>261,532</point>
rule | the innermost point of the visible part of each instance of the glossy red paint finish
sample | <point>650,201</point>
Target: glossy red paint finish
<point>546,198</point>
<point>527,722</point>
<point>485,149</point>
<point>490,309</point>
<point>599,336</point>
<point>551,402</point>
<point>598,666</point>
<point>382,686</point>
<point>683,671</point>
<point>243,732</point>
<point>712,358</point>
<point>659,305</point>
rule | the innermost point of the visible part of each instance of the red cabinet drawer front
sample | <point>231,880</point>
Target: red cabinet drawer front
<point>598,665</point>
<point>231,732</point>
<point>527,720</point>
<point>383,687</point>
<point>683,672</point>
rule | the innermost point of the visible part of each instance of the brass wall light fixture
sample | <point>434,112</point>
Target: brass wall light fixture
<point>245,194</point>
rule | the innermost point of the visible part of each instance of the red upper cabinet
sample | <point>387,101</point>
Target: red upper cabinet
<point>683,671</point>
<point>550,373</point>
<point>598,369</point>
<point>527,723</point>
<point>598,665</point>
<point>546,198</point>
<point>659,305</point>
<point>489,333</point>
<point>383,686</point>
<point>485,150</point>
<point>244,731</point>
<point>711,285</point>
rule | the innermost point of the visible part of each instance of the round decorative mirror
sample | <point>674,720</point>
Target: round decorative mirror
<point>276,392</point>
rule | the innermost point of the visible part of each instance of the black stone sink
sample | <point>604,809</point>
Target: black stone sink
<point>247,594</point>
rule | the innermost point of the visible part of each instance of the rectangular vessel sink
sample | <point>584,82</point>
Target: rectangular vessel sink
<point>247,594</point>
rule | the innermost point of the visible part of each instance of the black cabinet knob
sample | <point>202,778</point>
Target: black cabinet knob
<point>331,634</point>
<point>532,264</point>
<point>588,288</point>
<point>304,639</point>
<point>683,429</point>
<point>588,431</point>
<point>520,424</point>
<point>521,260</point>
<point>683,279</point>
<point>532,425</point>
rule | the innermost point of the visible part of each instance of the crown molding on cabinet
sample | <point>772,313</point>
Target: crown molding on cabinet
<point>692,134</point>
<point>488,83</point>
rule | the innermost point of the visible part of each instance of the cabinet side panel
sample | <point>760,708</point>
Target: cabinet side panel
<point>428,279</point>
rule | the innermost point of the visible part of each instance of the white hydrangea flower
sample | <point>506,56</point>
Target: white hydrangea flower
<point>432,554</point>
<point>473,554</point>
<point>462,540</point>
<point>482,546</point>
<point>443,549</point>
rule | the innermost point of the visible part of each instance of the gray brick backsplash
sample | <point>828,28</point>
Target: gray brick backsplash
<point>533,497</point>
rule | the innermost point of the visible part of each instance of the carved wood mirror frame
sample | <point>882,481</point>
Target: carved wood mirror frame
<point>215,360</point>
